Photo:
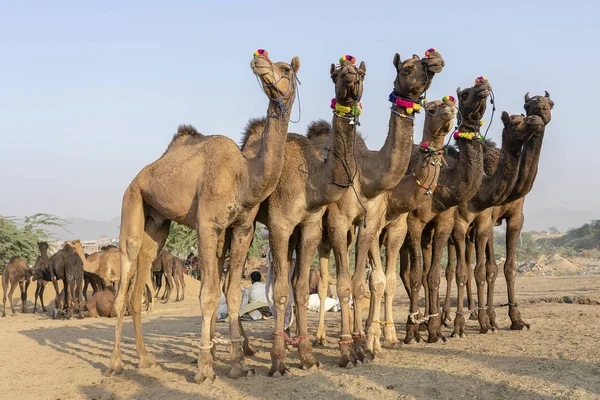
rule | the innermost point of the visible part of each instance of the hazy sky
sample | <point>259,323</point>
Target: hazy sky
<point>91,93</point>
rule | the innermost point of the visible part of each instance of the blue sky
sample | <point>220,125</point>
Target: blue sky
<point>91,93</point>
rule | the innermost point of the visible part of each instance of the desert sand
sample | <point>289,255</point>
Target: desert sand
<point>559,357</point>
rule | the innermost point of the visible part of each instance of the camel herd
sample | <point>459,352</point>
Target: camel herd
<point>317,192</point>
<point>77,270</point>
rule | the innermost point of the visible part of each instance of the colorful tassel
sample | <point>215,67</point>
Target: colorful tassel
<point>347,57</point>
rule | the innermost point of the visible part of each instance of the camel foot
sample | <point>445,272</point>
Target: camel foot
<point>422,326</point>
<point>363,354</point>
<point>249,351</point>
<point>412,333</point>
<point>146,362</point>
<point>392,344</point>
<point>459,327</point>
<point>473,316</point>
<point>279,369</point>
<point>310,363</point>
<point>240,371</point>
<point>116,368</point>
<point>24,311</point>
<point>205,372</point>
<point>519,325</point>
<point>320,341</point>
<point>434,337</point>
<point>484,321</point>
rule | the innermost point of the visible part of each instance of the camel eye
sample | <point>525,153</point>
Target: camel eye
<point>407,70</point>
<point>464,95</point>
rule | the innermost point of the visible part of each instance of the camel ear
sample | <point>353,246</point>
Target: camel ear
<point>458,92</point>
<point>547,94</point>
<point>362,67</point>
<point>397,62</point>
<point>416,57</point>
<point>295,64</point>
<point>332,70</point>
<point>505,118</point>
<point>527,97</point>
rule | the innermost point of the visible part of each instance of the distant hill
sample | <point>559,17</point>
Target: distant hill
<point>86,229</point>
<point>562,218</point>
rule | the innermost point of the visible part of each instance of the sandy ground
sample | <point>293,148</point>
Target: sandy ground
<point>559,357</point>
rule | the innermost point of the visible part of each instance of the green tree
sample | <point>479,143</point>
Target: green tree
<point>182,240</point>
<point>20,238</point>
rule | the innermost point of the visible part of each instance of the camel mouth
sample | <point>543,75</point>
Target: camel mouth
<point>534,121</point>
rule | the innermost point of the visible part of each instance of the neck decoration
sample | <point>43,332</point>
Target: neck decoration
<point>425,147</point>
<point>468,135</point>
<point>410,106</point>
<point>346,111</point>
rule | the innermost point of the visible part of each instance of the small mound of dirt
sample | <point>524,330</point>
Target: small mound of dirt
<point>553,265</point>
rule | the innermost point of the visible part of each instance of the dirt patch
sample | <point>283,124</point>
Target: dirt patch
<point>558,358</point>
<point>556,265</point>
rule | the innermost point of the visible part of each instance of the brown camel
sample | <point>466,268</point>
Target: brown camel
<point>378,171</point>
<point>106,264</point>
<point>41,274</point>
<point>171,268</point>
<point>494,190</point>
<point>459,180</point>
<point>67,264</point>
<point>102,304</point>
<point>16,271</point>
<point>293,213</point>
<point>512,211</point>
<point>207,183</point>
<point>391,208</point>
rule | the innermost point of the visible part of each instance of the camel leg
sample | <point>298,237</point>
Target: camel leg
<point>491,269</point>
<point>450,271</point>
<point>279,242</point>
<point>482,236</point>
<point>4,288</point>
<point>79,296</point>
<point>469,256</point>
<point>182,279</point>
<point>405,266</point>
<point>24,286</point>
<point>42,296</point>
<point>70,295</point>
<point>13,286</point>
<point>426,243</point>
<point>514,224</point>
<point>377,285</point>
<point>170,285</point>
<point>55,285</point>
<point>37,293</point>
<point>324,249</point>
<point>310,236</point>
<point>443,229</point>
<point>339,241</point>
<point>241,237</point>
<point>462,273</point>
<point>415,229</point>
<point>395,237</point>
<point>359,290</point>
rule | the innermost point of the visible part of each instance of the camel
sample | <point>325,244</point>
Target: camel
<point>459,180</point>
<point>106,265</point>
<point>293,213</point>
<point>391,208</point>
<point>207,183</point>
<point>101,304</point>
<point>41,275</point>
<point>511,210</point>
<point>377,172</point>
<point>68,264</point>
<point>493,190</point>
<point>172,268</point>
<point>16,271</point>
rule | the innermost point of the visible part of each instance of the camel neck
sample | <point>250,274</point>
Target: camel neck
<point>420,182</point>
<point>528,167</point>
<point>496,187</point>
<point>391,161</point>
<point>265,167</point>
<point>460,182</point>
<point>340,161</point>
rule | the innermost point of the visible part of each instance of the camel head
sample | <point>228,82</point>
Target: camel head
<point>43,246</point>
<point>472,103</point>
<point>540,106</point>
<point>74,245</point>
<point>414,75</point>
<point>518,129</point>
<point>440,115</point>
<point>278,79</point>
<point>348,80</point>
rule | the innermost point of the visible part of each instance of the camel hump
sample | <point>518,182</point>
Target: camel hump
<point>318,128</point>
<point>187,130</point>
<point>255,126</point>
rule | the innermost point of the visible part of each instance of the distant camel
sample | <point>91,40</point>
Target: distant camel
<point>67,264</point>
<point>16,271</point>
<point>102,304</point>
